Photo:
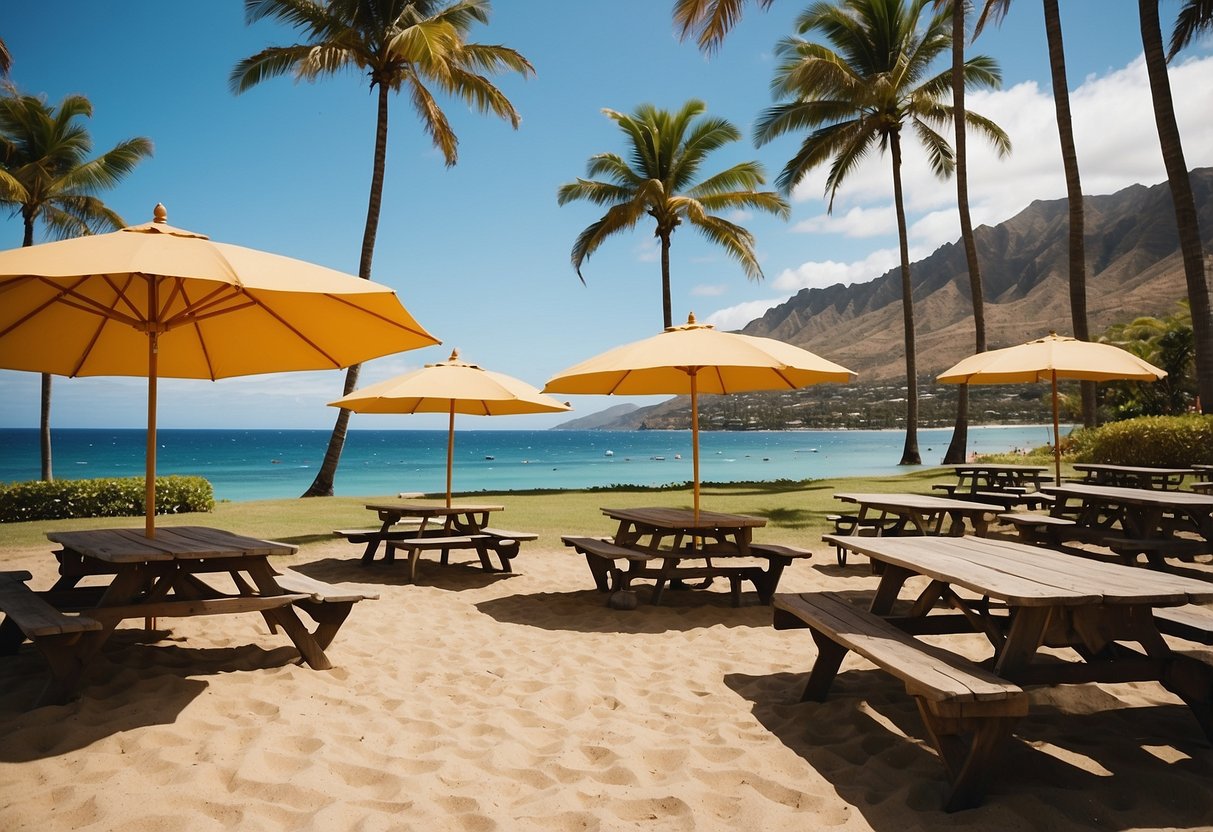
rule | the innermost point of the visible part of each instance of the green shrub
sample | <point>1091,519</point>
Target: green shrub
<point>117,497</point>
<point>1158,441</point>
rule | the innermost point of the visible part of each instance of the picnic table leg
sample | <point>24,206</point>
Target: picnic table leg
<point>372,545</point>
<point>1191,680</point>
<point>969,748</point>
<point>286,617</point>
<point>67,664</point>
<point>825,668</point>
<point>600,568</point>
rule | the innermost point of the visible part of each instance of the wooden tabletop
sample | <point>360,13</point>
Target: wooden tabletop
<point>895,501</point>
<point>684,518</point>
<point>1132,469</point>
<point>421,508</point>
<point>1000,467</point>
<point>1131,496</point>
<point>1031,576</point>
<point>171,543</point>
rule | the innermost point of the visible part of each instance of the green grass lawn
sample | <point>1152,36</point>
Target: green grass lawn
<point>795,512</point>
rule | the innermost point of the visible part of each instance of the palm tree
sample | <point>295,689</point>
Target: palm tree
<point>1195,15</point>
<point>997,10</point>
<point>6,59</point>
<point>667,150</point>
<point>958,448</point>
<point>859,95</point>
<point>44,174</point>
<point>709,20</point>
<point>417,45</point>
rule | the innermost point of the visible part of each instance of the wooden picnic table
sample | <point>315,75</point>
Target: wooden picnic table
<point>668,545</point>
<point>172,575</point>
<point>922,514</point>
<point>1136,521</point>
<point>1043,599</point>
<point>1133,476</point>
<point>436,518</point>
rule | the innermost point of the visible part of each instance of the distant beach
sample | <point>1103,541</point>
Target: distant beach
<point>272,464</point>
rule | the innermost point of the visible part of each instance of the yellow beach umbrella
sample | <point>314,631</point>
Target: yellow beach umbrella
<point>1052,358</point>
<point>157,301</point>
<point>451,387</point>
<point>696,358</point>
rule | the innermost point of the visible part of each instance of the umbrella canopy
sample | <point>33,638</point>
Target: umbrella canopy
<point>1050,359</point>
<point>696,358</point>
<point>157,301</point>
<point>451,387</point>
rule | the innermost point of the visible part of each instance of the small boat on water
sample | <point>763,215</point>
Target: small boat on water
<point>609,453</point>
<point>490,458</point>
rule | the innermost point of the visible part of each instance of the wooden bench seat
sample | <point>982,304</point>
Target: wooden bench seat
<point>601,554</point>
<point>53,633</point>
<point>968,710</point>
<point>326,604</point>
<point>407,527</point>
<point>1042,528</point>
<point>444,543</point>
<point>1191,621</point>
<point>1202,487</point>
<point>1156,549</point>
<point>507,544</point>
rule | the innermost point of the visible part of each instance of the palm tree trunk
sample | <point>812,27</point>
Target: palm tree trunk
<point>958,448</point>
<point>1181,196</point>
<point>1069,160</point>
<point>45,429</point>
<point>909,454</point>
<point>666,309</point>
<point>44,410</point>
<point>322,485</point>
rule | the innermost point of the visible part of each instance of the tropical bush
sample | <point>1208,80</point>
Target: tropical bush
<point>1160,441</point>
<point>114,497</point>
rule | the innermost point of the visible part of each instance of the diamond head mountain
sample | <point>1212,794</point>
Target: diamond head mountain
<point>1133,269</point>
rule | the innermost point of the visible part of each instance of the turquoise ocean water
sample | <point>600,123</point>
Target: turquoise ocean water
<point>272,464</point>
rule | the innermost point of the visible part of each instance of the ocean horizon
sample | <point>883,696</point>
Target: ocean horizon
<point>275,464</point>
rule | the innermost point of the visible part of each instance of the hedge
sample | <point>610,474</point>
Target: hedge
<point>113,497</point>
<point>1152,441</point>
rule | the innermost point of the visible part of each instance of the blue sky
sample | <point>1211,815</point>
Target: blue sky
<point>479,252</point>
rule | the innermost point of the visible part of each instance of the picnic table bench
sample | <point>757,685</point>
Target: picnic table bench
<point>53,633</point>
<point>324,603</point>
<point>601,555</point>
<point>968,710</point>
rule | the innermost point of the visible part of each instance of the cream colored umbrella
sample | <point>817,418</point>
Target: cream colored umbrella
<point>696,358</point>
<point>157,301</point>
<point>451,387</point>
<point>1049,359</point>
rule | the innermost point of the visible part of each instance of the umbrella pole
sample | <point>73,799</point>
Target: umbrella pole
<point>450,452</point>
<point>1056,435</point>
<point>149,500</point>
<point>695,439</point>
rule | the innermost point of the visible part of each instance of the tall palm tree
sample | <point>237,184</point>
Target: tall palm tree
<point>710,20</point>
<point>1195,15</point>
<point>997,10</point>
<point>666,151</point>
<point>45,174</point>
<point>958,448</point>
<point>417,45</point>
<point>858,95</point>
<point>6,59</point>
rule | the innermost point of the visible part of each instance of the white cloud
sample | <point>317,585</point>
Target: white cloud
<point>819,274</point>
<point>706,291</point>
<point>857,222</point>
<point>735,317</point>
<point>648,250</point>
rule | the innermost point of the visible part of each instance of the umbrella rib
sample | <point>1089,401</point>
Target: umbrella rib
<point>92,342</point>
<point>197,330</point>
<point>267,310</point>
<point>383,318</point>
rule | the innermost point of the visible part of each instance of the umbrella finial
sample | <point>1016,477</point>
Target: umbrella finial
<point>454,354</point>
<point>691,318</point>
<point>160,213</point>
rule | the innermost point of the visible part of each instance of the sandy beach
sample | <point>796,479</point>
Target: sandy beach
<point>474,701</point>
